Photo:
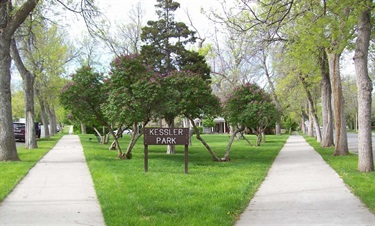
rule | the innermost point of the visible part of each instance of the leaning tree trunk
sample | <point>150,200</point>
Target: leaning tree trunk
<point>133,139</point>
<point>341,141</point>
<point>198,135</point>
<point>28,82</point>
<point>227,151</point>
<point>313,116</point>
<point>326,91</point>
<point>364,87</point>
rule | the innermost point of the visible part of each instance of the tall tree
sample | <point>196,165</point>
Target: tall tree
<point>10,20</point>
<point>164,49</point>
<point>364,84</point>
<point>327,115</point>
<point>28,81</point>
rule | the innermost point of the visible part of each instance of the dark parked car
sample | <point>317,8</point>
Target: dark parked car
<point>19,130</point>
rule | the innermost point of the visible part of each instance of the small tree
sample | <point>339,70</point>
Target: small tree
<point>250,106</point>
<point>188,94</point>
<point>133,92</point>
<point>84,96</point>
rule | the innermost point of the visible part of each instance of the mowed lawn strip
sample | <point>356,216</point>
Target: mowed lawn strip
<point>13,172</point>
<point>361,184</point>
<point>212,193</point>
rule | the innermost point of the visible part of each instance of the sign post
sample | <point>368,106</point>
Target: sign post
<point>166,136</point>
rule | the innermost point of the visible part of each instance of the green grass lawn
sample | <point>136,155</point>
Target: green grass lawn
<point>13,172</point>
<point>213,193</point>
<point>361,184</point>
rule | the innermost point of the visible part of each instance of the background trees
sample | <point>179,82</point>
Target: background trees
<point>284,46</point>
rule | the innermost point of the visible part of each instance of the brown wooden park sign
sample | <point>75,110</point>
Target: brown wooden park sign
<point>166,136</point>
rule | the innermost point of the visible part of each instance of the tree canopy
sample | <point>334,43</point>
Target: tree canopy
<point>249,106</point>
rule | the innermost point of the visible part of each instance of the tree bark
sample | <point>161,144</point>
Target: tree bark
<point>10,20</point>
<point>52,119</point>
<point>8,150</point>
<point>364,85</point>
<point>83,128</point>
<point>134,138</point>
<point>44,119</point>
<point>28,85</point>
<point>310,127</point>
<point>312,112</point>
<point>326,91</point>
<point>171,149</point>
<point>341,140</point>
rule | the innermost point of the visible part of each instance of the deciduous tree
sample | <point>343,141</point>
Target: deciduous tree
<point>10,20</point>
<point>251,107</point>
<point>134,91</point>
<point>364,84</point>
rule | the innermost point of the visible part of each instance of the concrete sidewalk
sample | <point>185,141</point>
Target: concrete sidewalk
<point>58,190</point>
<point>301,189</point>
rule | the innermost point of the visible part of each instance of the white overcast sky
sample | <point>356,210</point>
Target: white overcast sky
<point>117,12</point>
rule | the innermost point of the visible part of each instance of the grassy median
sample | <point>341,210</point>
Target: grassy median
<point>361,184</point>
<point>13,172</point>
<point>212,193</point>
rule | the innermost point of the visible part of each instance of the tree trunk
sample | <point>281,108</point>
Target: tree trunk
<point>312,113</point>
<point>314,117</point>
<point>52,119</point>
<point>198,135</point>
<point>171,149</point>
<point>259,138</point>
<point>303,125</point>
<point>83,128</point>
<point>310,127</point>
<point>8,150</point>
<point>341,141</point>
<point>364,87</point>
<point>327,117</point>
<point>9,23</point>
<point>227,151</point>
<point>44,117</point>
<point>28,82</point>
<point>43,113</point>
<point>133,139</point>
<point>278,128</point>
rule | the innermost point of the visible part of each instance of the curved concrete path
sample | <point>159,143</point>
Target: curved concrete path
<point>58,190</point>
<point>301,189</point>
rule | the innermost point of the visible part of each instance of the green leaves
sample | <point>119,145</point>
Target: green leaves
<point>84,96</point>
<point>250,106</point>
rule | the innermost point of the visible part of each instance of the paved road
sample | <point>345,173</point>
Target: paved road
<point>353,143</point>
